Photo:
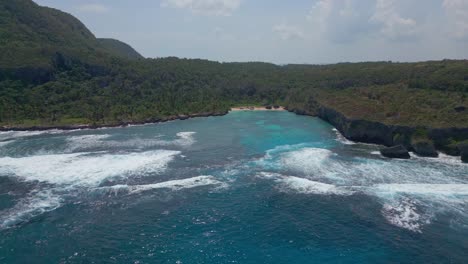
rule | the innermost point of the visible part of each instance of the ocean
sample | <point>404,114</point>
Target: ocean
<point>248,187</point>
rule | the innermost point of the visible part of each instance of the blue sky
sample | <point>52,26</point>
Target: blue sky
<point>279,31</point>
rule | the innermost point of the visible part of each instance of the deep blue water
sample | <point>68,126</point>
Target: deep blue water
<point>249,187</point>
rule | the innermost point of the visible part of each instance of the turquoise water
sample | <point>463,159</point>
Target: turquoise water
<point>249,187</point>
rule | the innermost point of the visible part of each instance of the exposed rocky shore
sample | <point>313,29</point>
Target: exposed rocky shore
<point>119,124</point>
<point>433,139</point>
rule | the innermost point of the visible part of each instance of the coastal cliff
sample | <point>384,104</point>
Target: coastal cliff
<point>424,141</point>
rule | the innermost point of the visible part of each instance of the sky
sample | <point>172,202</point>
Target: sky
<point>281,31</point>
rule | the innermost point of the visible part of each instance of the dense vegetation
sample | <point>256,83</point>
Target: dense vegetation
<point>119,48</point>
<point>54,71</point>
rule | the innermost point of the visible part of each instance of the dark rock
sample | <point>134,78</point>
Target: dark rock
<point>425,149</point>
<point>276,106</point>
<point>444,139</point>
<point>298,111</point>
<point>366,131</point>
<point>358,130</point>
<point>396,152</point>
<point>269,107</point>
<point>460,109</point>
<point>463,151</point>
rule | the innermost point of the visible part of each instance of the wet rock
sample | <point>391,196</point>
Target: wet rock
<point>463,152</point>
<point>425,149</point>
<point>396,152</point>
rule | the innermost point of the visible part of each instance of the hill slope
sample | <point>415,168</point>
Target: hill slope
<point>119,48</point>
<point>31,37</point>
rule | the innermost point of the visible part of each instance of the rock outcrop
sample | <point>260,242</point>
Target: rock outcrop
<point>425,149</point>
<point>366,131</point>
<point>463,148</point>
<point>396,152</point>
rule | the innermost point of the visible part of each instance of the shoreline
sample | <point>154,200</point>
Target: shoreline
<point>130,123</point>
<point>258,108</point>
<point>325,117</point>
<point>110,125</point>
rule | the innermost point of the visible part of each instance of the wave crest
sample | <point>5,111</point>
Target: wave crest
<point>175,185</point>
<point>84,169</point>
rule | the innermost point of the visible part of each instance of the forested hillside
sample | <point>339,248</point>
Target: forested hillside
<point>119,48</point>
<point>54,71</point>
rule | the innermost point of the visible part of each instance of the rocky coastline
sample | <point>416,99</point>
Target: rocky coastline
<point>359,130</point>
<point>107,125</point>
<point>390,136</point>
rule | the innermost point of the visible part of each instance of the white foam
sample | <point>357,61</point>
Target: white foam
<point>174,185</point>
<point>411,206</point>
<point>88,169</point>
<point>4,143</point>
<point>412,192</point>
<point>424,189</point>
<point>306,186</point>
<point>185,139</point>
<point>29,207</point>
<point>306,160</point>
<point>343,139</point>
<point>269,175</point>
<point>21,134</point>
<point>320,163</point>
<point>405,214</point>
<point>86,142</point>
<point>442,159</point>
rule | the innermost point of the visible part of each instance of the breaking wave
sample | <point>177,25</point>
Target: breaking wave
<point>84,169</point>
<point>305,186</point>
<point>38,203</point>
<point>8,135</point>
<point>86,142</point>
<point>342,139</point>
<point>412,192</point>
<point>406,214</point>
<point>174,185</point>
<point>424,189</point>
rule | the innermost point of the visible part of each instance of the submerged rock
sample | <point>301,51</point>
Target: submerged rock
<point>425,149</point>
<point>396,152</point>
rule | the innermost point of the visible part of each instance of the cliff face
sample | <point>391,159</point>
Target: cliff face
<point>357,130</point>
<point>444,139</point>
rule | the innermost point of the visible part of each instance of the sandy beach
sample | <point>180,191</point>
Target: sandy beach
<point>257,108</point>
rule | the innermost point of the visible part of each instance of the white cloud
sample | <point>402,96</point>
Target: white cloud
<point>347,20</point>
<point>394,26</point>
<point>206,7</point>
<point>287,32</point>
<point>93,8</point>
<point>341,20</point>
<point>457,15</point>
<point>320,12</point>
